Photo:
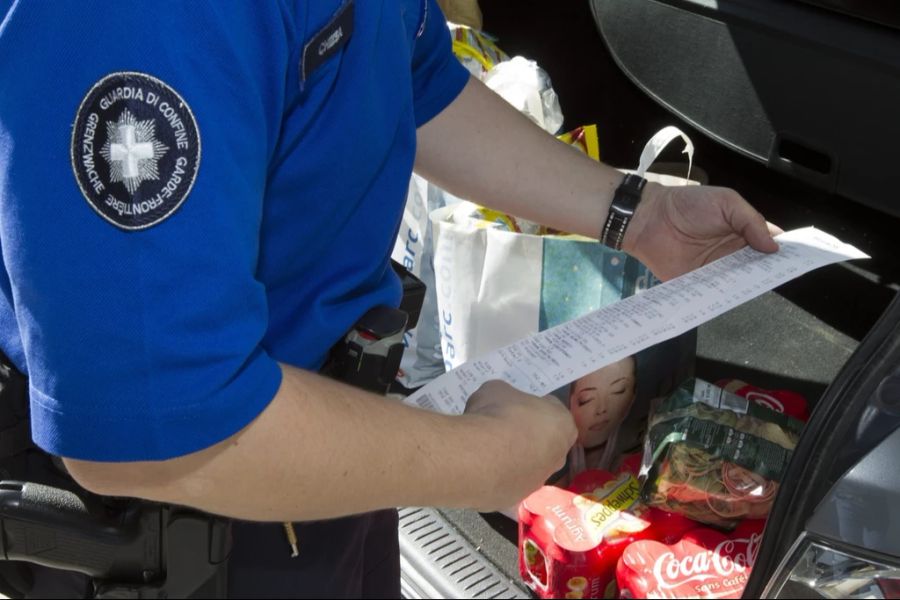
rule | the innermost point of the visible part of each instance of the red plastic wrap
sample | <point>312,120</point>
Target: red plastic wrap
<point>784,401</point>
<point>570,540</point>
<point>704,564</point>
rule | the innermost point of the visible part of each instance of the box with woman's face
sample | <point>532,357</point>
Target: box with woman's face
<point>610,406</point>
<point>600,401</point>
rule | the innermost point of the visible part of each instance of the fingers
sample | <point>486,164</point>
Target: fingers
<point>751,225</point>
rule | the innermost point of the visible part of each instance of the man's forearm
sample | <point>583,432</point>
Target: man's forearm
<point>481,148</point>
<point>320,449</point>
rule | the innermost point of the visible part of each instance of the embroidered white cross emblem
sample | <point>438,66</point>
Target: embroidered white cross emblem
<point>129,151</point>
<point>132,150</point>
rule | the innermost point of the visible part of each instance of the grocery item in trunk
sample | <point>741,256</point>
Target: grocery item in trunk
<point>704,564</point>
<point>784,401</point>
<point>715,457</point>
<point>570,542</point>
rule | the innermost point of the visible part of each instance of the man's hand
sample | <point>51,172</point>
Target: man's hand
<point>677,229</point>
<point>530,437</point>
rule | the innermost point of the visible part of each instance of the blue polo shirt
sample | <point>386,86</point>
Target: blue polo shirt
<point>191,192</point>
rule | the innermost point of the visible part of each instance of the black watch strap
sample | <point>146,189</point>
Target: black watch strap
<point>624,203</point>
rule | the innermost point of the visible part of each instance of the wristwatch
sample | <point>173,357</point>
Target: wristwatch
<point>624,203</point>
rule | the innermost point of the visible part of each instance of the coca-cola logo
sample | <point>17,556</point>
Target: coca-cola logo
<point>726,559</point>
<point>704,563</point>
<point>671,572</point>
<point>765,400</point>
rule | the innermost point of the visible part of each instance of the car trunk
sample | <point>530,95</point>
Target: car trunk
<point>797,337</point>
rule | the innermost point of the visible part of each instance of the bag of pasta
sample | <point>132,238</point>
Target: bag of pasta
<point>714,457</point>
<point>703,400</point>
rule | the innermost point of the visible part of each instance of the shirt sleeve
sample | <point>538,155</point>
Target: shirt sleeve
<point>138,135</point>
<point>438,77</point>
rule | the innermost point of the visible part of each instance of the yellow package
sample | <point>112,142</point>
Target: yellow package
<point>585,139</point>
<point>497,218</point>
<point>476,50</point>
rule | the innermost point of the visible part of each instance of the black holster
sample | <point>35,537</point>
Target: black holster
<point>125,548</point>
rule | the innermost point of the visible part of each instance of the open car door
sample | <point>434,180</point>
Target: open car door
<point>834,531</point>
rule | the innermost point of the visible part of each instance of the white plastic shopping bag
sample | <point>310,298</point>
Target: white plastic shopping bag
<point>495,286</point>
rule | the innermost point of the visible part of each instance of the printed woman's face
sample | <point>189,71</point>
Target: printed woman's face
<point>600,400</point>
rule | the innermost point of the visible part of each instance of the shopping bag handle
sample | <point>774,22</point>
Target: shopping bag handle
<point>658,142</point>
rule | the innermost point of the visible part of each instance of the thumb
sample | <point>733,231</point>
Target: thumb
<point>774,229</point>
<point>752,226</point>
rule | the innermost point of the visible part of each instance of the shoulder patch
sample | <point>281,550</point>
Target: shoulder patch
<point>135,149</point>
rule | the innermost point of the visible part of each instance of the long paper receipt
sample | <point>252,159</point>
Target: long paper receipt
<point>552,358</point>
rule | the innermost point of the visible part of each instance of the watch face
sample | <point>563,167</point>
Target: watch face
<point>628,194</point>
